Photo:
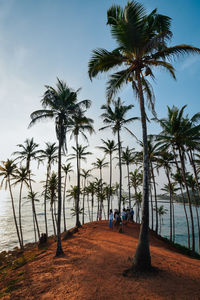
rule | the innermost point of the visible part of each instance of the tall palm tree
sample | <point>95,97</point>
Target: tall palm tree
<point>49,154</point>
<point>91,190</point>
<point>115,118</point>
<point>28,153</point>
<point>59,103</point>
<point>80,124</point>
<point>32,197</point>
<point>85,174</point>
<point>7,170</point>
<point>100,164</point>
<point>141,46</point>
<point>161,212</point>
<point>52,191</point>
<point>128,157</point>
<point>109,147</point>
<point>178,178</point>
<point>165,160</point>
<point>67,170</point>
<point>171,189</point>
<point>21,177</point>
<point>80,154</point>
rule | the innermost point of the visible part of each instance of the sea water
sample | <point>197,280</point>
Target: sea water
<point>8,236</point>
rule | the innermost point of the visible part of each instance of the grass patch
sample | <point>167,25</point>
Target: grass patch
<point>20,262</point>
<point>13,284</point>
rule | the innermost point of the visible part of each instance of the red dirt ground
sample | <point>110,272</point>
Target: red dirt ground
<point>92,267</point>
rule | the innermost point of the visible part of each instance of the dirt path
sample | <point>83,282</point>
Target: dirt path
<point>92,267</point>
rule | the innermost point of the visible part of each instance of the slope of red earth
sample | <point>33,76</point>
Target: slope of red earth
<point>92,266</point>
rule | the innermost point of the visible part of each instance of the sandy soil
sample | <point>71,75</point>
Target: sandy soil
<point>92,267</point>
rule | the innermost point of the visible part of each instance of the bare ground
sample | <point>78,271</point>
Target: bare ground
<point>92,266</point>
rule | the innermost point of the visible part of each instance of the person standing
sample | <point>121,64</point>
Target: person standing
<point>111,219</point>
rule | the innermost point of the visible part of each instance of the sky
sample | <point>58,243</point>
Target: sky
<point>46,39</point>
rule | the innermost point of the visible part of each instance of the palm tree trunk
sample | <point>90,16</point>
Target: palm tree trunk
<point>110,184</point>
<point>20,218</point>
<point>120,171</point>
<point>59,250</point>
<point>92,206</point>
<point>185,211</point>
<point>89,214</point>
<point>101,197</point>
<point>64,219</point>
<point>14,215</point>
<point>197,214</point>
<point>170,203</point>
<point>198,188</point>
<point>45,200</point>
<point>142,258</point>
<point>155,195</point>
<point>53,222</point>
<point>188,195</point>
<point>129,187</point>
<point>33,206</point>
<point>78,224</point>
<point>151,207</point>
<point>83,219</point>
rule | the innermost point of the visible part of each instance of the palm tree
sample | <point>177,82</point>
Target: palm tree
<point>91,190</point>
<point>67,170</point>
<point>29,152</point>
<point>100,164</point>
<point>21,177</point>
<point>141,45</point>
<point>7,170</point>
<point>109,147</point>
<point>85,174</point>
<point>161,211</point>
<point>79,125</point>
<point>171,189</point>
<point>59,104</point>
<point>52,190</point>
<point>128,157</point>
<point>115,118</point>
<point>50,154</point>
<point>166,159</point>
<point>80,154</point>
<point>178,178</point>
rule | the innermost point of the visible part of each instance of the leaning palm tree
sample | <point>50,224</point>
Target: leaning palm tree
<point>7,170</point>
<point>115,118</point>
<point>109,147</point>
<point>21,177</point>
<point>29,151</point>
<point>59,103</point>
<point>49,154</point>
<point>141,45</point>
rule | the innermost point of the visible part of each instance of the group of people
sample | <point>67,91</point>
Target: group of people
<point>126,215</point>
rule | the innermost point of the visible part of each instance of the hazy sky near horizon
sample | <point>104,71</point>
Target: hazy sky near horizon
<point>42,40</point>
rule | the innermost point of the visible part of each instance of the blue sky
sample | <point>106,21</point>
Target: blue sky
<point>40,40</point>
